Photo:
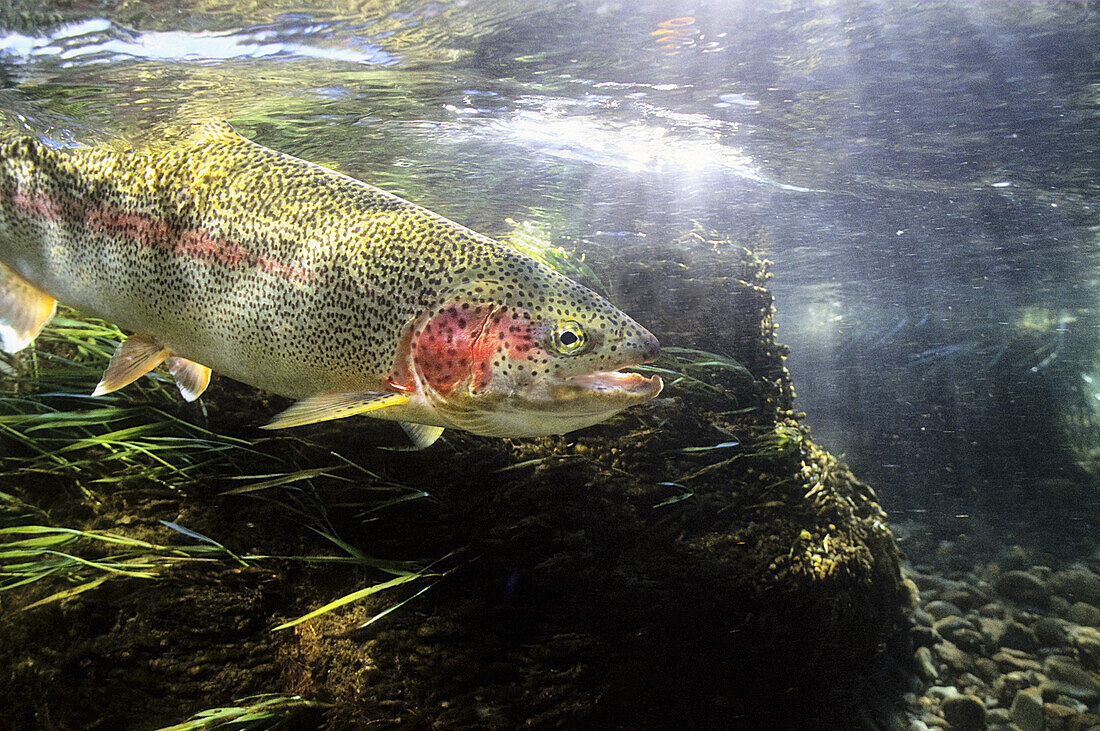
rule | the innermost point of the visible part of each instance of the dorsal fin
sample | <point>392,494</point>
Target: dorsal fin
<point>214,131</point>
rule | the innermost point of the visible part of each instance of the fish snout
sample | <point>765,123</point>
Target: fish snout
<point>641,347</point>
<point>651,348</point>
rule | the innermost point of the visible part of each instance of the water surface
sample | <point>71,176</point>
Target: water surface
<point>922,175</point>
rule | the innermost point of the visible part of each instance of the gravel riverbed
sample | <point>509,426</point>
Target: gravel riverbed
<point>1009,644</point>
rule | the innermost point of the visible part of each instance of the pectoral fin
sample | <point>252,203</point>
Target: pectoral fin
<point>192,378</point>
<point>135,357</point>
<point>327,406</point>
<point>422,435</point>
<point>24,310</point>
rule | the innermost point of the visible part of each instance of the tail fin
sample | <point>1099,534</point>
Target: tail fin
<point>24,310</point>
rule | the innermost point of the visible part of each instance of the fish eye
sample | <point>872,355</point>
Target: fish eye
<point>569,337</point>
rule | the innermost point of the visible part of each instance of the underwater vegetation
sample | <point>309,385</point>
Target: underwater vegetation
<point>78,447</point>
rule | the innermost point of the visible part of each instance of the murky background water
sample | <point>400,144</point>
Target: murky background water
<point>924,176</point>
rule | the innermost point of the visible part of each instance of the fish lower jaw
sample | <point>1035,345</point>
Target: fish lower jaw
<point>522,423</point>
<point>626,383</point>
<point>554,406</point>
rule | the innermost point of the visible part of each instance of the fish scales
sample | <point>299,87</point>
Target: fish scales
<point>303,281</point>
<point>228,245</point>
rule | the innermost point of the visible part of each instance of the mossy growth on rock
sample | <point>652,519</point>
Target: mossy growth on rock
<point>695,562</point>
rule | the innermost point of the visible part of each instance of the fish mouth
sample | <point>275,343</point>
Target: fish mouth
<point>624,383</point>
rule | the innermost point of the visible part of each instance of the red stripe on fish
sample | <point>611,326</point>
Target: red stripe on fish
<point>38,205</point>
<point>194,244</point>
<point>149,232</point>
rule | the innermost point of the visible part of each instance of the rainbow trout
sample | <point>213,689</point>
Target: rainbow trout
<point>222,254</point>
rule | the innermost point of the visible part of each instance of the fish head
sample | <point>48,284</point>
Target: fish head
<point>530,354</point>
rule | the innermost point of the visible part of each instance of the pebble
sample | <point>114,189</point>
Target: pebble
<point>1022,586</point>
<point>955,658</point>
<point>939,609</point>
<point>992,609</point>
<point>1008,650</point>
<point>1050,632</point>
<point>963,597</point>
<point>1083,613</point>
<point>932,721</point>
<point>965,712</point>
<point>1071,703</point>
<point>986,669</point>
<point>1057,714</point>
<point>1008,685</point>
<point>1042,573</point>
<point>1015,660</point>
<point>1051,689</point>
<point>969,640</point>
<point>923,636</point>
<point>1077,583</point>
<point>1087,642</point>
<point>928,582</point>
<point>1089,721</point>
<point>1015,558</point>
<point>942,692</point>
<point>990,628</point>
<point>1018,637</point>
<point>1059,668</point>
<point>1027,710</point>
<point>972,684</point>
<point>922,617</point>
<point>959,631</point>
<point>925,665</point>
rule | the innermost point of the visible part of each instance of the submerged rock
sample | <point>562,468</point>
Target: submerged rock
<point>1084,613</point>
<point>1027,710</point>
<point>1050,632</point>
<point>1066,670</point>
<point>1077,584</point>
<point>925,665</point>
<point>956,659</point>
<point>1022,586</point>
<point>1018,636</point>
<point>938,609</point>
<point>964,712</point>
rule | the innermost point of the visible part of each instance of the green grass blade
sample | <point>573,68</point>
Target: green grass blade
<point>351,598</point>
<point>66,594</point>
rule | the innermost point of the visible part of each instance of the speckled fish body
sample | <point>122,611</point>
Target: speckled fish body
<point>222,254</point>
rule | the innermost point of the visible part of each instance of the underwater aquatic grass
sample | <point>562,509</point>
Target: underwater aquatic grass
<point>102,443</point>
<point>265,711</point>
<point>70,434</point>
<point>110,444</point>
<point>31,553</point>
<point>772,443</point>
<point>533,240</point>
<point>354,597</point>
<point>690,369</point>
